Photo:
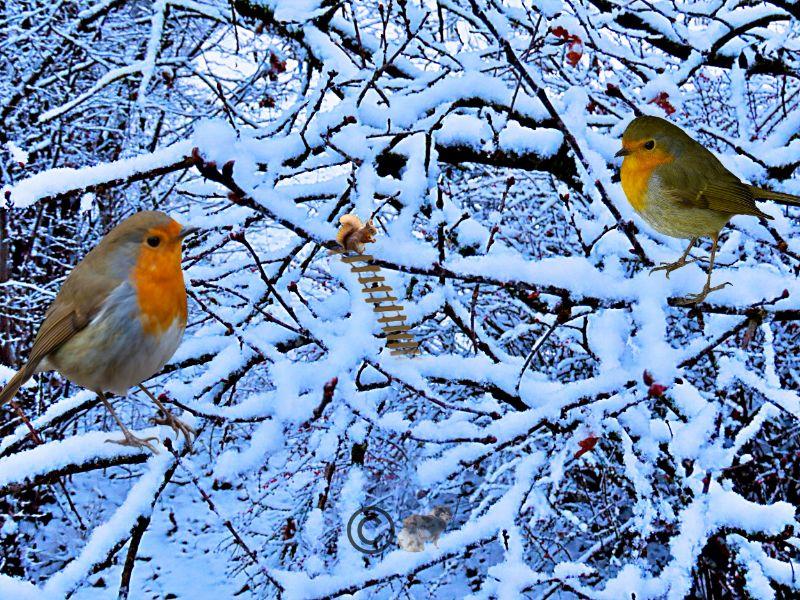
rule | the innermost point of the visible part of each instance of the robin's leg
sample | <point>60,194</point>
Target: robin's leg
<point>707,288</point>
<point>129,439</point>
<point>681,262</point>
<point>178,426</point>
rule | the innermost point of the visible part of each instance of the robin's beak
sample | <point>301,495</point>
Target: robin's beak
<point>622,152</point>
<point>187,231</point>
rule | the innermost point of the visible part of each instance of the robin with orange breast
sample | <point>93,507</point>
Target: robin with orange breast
<point>682,190</point>
<point>118,318</point>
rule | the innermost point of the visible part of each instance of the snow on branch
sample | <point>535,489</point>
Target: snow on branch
<point>55,182</point>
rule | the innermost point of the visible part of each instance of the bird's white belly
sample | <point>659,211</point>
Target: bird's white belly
<point>113,353</point>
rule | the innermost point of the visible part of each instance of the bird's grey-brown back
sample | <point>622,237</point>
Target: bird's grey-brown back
<point>106,266</point>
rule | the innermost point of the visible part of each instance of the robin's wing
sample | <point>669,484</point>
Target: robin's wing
<point>61,324</point>
<point>732,197</point>
<point>80,299</point>
<point>699,180</point>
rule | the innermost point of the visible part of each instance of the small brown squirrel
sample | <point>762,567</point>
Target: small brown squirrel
<point>353,234</point>
<point>418,529</point>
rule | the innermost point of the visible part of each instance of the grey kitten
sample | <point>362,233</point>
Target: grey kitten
<point>418,529</point>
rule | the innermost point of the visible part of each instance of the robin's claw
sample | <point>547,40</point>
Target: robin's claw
<point>178,426</point>
<point>673,266</point>
<point>135,442</point>
<point>697,298</point>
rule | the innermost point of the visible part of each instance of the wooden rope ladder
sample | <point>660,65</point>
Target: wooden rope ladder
<point>379,294</point>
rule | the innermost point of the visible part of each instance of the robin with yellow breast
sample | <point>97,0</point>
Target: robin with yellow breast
<point>682,190</point>
<point>118,318</point>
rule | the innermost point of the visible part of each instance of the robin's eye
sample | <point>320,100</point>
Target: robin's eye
<point>650,144</point>
<point>153,241</point>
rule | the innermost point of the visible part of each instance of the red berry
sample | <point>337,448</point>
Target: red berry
<point>586,445</point>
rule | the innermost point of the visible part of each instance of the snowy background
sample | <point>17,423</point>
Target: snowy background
<point>648,451</point>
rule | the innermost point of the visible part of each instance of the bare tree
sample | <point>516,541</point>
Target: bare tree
<point>591,437</point>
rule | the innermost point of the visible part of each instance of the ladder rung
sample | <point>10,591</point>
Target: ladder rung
<point>379,300</point>
<point>407,352</point>
<point>375,279</point>
<point>392,308</point>
<point>404,350</point>
<point>357,258</point>
<point>396,345</point>
<point>400,336</point>
<point>390,319</point>
<point>365,268</point>
<point>377,289</point>
<point>394,328</point>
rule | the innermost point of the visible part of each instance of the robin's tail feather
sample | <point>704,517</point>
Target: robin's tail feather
<point>779,197</point>
<point>13,385</point>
